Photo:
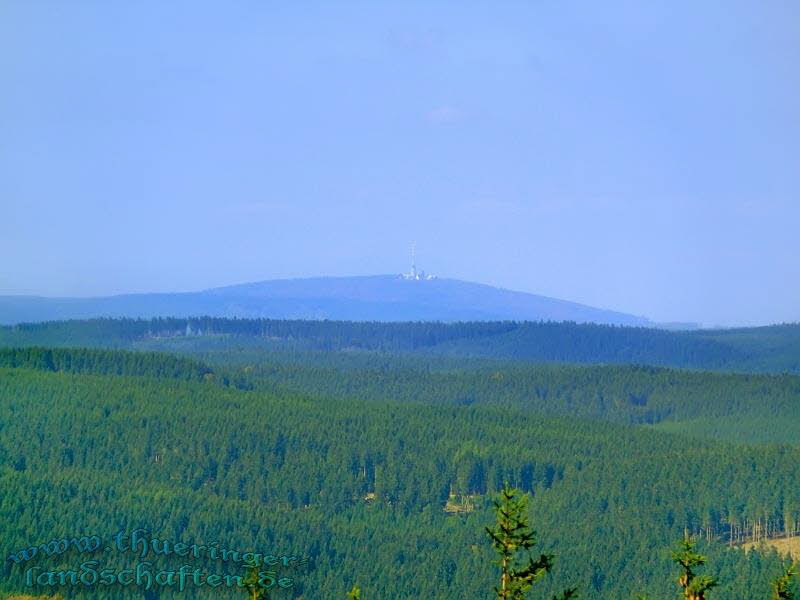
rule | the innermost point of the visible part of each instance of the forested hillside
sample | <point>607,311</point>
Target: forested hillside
<point>359,482</point>
<point>763,349</point>
<point>626,394</point>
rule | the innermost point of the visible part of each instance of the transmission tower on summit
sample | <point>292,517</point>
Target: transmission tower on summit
<point>415,275</point>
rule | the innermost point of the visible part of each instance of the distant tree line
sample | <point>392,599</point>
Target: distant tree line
<point>770,349</point>
<point>104,362</point>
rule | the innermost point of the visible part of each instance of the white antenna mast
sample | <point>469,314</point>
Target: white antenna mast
<point>416,275</point>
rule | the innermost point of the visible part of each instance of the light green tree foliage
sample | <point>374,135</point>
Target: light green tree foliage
<point>511,537</point>
<point>254,591</point>
<point>695,587</point>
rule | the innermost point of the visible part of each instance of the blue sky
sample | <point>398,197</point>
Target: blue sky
<point>639,156</point>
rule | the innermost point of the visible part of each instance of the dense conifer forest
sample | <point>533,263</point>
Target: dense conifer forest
<point>774,349</point>
<point>357,448</point>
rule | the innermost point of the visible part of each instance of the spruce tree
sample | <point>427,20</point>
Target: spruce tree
<point>254,591</point>
<point>694,587</point>
<point>512,536</point>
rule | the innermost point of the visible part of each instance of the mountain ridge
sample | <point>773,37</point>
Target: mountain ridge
<point>357,298</point>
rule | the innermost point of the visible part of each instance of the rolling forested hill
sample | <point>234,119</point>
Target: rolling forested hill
<point>774,349</point>
<point>374,449</point>
<point>359,487</point>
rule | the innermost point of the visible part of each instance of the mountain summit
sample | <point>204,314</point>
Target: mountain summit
<point>368,298</point>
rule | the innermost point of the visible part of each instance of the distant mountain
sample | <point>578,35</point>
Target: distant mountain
<point>370,298</point>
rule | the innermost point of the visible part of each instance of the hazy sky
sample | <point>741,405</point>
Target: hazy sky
<point>639,156</point>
